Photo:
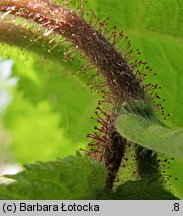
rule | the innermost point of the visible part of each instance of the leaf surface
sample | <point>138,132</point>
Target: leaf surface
<point>142,190</point>
<point>152,135</point>
<point>74,177</point>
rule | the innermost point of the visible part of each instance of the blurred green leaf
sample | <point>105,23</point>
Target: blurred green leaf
<point>67,103</point>
<point>36,132</point>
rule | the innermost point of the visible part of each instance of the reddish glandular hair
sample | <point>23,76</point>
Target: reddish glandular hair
<point>122,76</point>
<point>100,52</point>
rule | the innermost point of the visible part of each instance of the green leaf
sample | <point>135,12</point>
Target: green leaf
<point>142,190</point>
<point>74,177</point>
<point>140,126</point>
<point>174,171</point>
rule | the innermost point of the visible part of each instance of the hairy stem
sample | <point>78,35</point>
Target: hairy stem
<point>97,49</point>
<point>113,161</point>
<point>119,77</point>
<point>17,36</point>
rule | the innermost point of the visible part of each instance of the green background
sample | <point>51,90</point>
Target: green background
<point>50,114</point>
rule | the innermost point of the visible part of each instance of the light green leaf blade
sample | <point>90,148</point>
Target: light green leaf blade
<point>151,135</point>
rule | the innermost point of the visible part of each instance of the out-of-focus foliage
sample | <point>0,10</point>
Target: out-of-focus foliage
<point>50,114</point>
